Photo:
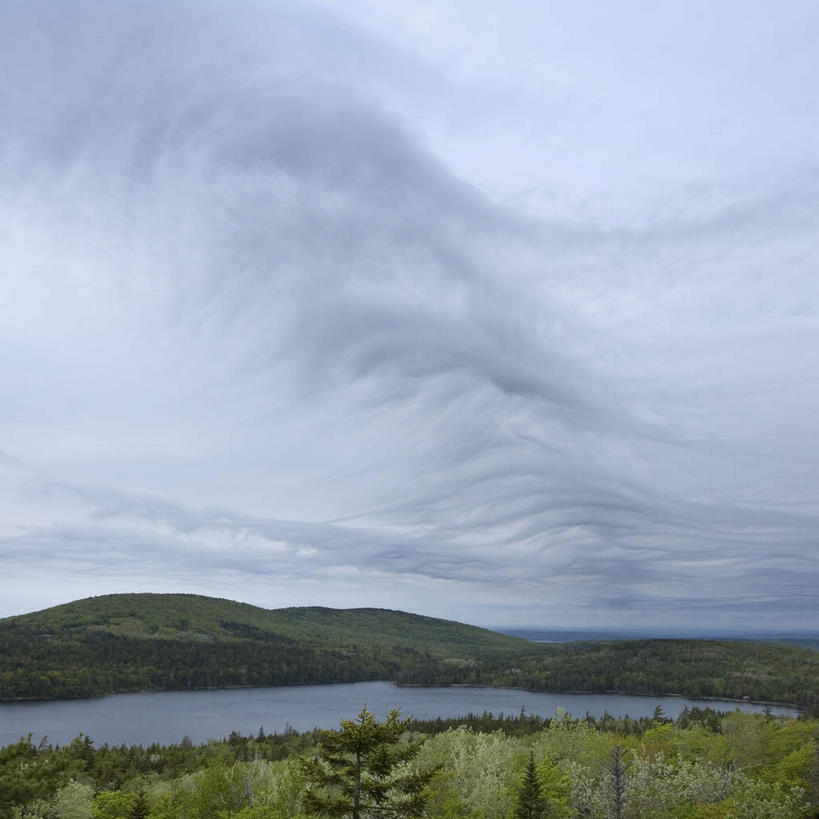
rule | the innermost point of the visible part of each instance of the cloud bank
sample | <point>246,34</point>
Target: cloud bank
<point>267,334</point>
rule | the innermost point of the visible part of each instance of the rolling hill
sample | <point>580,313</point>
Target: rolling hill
<point>141,642</point>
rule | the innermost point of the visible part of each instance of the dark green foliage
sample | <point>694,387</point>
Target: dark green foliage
<point>29,772</point>
<point>141,642</point>
<point>120,643</point>
<point>705,717</point>
<point>21,780</point>
<point>696,668</point>
<point>530,802</point>
<point>141,808</point>
<point>354,773</point>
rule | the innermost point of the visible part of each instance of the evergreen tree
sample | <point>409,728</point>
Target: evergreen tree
<point>617,782</point>
<point>530,802</point>
<point>358,772</point>
<point>141,808</point>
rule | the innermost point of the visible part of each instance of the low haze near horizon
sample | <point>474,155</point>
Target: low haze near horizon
<point>507,314</point>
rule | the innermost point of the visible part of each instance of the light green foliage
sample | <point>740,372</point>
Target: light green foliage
<point>665,777</point>
<point>247,789</point>
<point>739,766</point>
<point>74,801</point>
<point>227,790</point>
<point>444,800</point>
<point>113,805</point>
<point>574,758</point>
<point>165,808</point>
<point>700,743</point>
<point>556,787</point>
<point>565,739</point>
<point>770,749</point>
<point>283,787</point>
<point>690,773</point>
<point>265,812</point>
<point>798,768</point>
<point>485,768</point>
<point>755,799</point>
<point>661,787</point>
<point>589,796</point>
<point>659,739</point>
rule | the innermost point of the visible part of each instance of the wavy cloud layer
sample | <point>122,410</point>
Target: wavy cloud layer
<point>264,337</point>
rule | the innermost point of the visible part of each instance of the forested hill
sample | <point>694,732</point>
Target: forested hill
<point>140,642</point>
<point>192,617</point>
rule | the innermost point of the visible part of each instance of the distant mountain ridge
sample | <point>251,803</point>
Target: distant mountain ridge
<point>141,642</point>
<point>192,616</point>
<point>574,635</point>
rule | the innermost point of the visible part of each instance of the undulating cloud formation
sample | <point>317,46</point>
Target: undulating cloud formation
<point>504,313</point>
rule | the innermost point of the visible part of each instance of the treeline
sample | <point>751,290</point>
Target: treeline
<point>96,663</point>
<point>694,668</point>
<point>125,643</point>
<point>523,724</point>
<point>703,764</point>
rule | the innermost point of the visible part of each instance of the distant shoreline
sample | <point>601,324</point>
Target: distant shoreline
<point>806,639</point>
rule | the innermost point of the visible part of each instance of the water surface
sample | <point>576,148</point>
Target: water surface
<point>169,716</point>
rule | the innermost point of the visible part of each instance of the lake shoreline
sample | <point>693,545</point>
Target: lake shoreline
<point>612,692</point>
<point>166,717</point>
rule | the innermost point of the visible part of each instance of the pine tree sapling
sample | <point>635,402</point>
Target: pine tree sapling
<point>530,802</point>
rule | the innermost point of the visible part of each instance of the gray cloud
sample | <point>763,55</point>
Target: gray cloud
<point>262,341</point>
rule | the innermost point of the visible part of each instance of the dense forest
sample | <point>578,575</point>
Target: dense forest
<point>140,642</point>
<point>703,765</point>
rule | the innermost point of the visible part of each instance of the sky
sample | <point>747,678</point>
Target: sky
<point>505,313</point>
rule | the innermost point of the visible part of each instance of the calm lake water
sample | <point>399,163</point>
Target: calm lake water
<point>168,716</point>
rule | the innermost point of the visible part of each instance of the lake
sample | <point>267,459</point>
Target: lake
<point>168,716</point>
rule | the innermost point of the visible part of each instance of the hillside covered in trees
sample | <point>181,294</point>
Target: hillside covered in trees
<point>141,642</point>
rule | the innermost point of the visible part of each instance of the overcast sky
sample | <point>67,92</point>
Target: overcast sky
<point>502,312</point>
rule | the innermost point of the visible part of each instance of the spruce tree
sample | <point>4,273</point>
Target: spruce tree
<point>357,772</point>
<point>141,808</point>
<point>617,782</point>
<point>530,802</point>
